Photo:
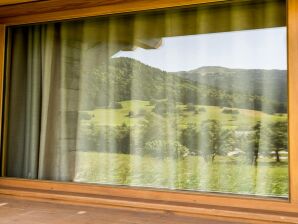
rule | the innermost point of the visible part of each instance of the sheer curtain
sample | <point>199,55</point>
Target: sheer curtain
<point>108,100</point>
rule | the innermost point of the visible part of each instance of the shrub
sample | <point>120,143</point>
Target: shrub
<point>160,108</point>
<point>154,127</point>
<point>164,107</point>
<point>161,148</point>
<point>230,111</point>
<point>106,139</point>
<point>85,116</point>
<point>201,110</point>
<point>190,107</point>
<point>130,114</point>
<point>142,112</point>
<point>115,105</point>
<point>152,102</point>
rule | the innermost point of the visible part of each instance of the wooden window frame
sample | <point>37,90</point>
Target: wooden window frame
<point>192,203</point>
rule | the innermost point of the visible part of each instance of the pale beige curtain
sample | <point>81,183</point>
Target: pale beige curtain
<point>76,112</point>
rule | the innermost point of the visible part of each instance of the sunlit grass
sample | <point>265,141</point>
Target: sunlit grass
<point>225,174</point>
<point>116,117</point>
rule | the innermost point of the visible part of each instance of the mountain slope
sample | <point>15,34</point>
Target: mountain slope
<point>271,84</point>
<point>126,79</point>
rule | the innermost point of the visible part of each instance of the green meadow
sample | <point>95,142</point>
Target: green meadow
<point>211,129</point>
<point>117,117</point>
<point>226,173</point>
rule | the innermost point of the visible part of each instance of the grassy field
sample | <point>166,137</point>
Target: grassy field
<point>225,175</point>
<point>116,117</point>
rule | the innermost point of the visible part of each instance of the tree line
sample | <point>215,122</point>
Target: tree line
<point>209,139</point>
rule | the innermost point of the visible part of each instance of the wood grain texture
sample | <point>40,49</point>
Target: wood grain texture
<point>293,96</point>
<point>16,210</point>
<point>58,5</point>
<point>215,212</point>
<point>53,10</point>
<point>215,16</point>
<point>12,2</point>
<point>95,190</point>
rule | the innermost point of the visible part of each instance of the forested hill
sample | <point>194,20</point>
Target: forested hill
<point>215,86</point>
<point>268,83</point>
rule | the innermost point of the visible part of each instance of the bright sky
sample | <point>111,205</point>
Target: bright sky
<point>251,49</point>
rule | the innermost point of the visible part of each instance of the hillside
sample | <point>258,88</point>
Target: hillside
<point>215,86</point>
<point>270,84</point>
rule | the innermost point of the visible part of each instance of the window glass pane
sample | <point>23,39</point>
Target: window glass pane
<point>183,99</point>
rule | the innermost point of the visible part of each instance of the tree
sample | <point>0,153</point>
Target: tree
<point>123,139</point>
<point>164,148</point>
<point>209,139</point>
<point>201,110</point>
<point>256,136</point>
<point>153,128</point>
<point>189,137</point>
<point>273,137</point>
<point>250,143</point>
<point>190,107</point>
<point>155,133</point>
<point>280,140</point>
<point>227,141</point>
<point>163,107</point>
<point>279,137</point>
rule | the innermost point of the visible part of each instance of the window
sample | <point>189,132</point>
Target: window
<point>273,199</point>
<point>179,99</point>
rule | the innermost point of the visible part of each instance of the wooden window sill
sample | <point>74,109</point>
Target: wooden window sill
<point>138,204</point>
